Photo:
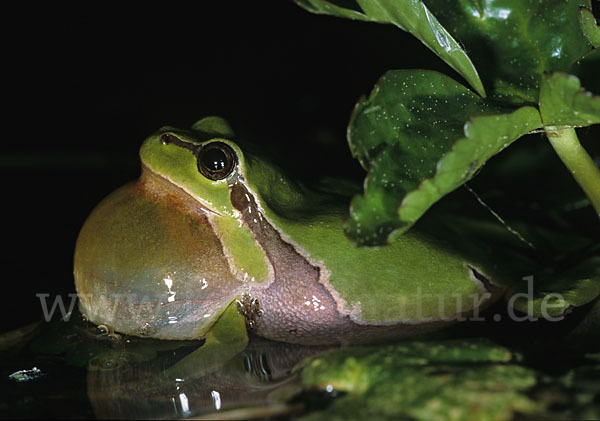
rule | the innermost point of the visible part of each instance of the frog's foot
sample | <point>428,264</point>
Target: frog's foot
<point>107,331</point>
<point>249,307</point>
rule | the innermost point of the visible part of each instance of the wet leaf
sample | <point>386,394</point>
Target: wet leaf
<point>513,42</point>
<point>411,16</point>
<point>420,135</point>
<point>588,329</point>
<point>579,395</point>
<point>553,296</point>
<point>563,102</point>
<point>456,380</point>
<point>589,27</point>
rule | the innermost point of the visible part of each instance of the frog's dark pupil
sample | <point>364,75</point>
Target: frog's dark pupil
<point>214,159</point>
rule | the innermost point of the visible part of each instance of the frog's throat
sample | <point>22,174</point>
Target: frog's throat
<point>163,186</point>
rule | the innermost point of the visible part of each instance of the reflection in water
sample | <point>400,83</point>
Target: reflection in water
<point>81,372</point>
<point>143,378</point>
<point>258,377</point>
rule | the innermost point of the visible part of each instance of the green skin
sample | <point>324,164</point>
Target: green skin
<point>165,256</point>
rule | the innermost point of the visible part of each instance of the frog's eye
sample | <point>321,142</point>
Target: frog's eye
<point>216,160</point>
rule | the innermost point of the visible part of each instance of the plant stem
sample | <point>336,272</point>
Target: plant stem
<point>580,164</point>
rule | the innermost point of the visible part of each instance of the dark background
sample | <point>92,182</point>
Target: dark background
<point>82,88</point>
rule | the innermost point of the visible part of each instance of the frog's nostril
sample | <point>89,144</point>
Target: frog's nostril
<point>171,139</point>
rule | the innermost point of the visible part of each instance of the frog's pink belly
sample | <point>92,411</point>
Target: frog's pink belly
<point>308,317</point>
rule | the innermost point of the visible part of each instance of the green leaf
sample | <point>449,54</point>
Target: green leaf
<point>513,42</point>
<point>420,135</point>
<point>435,380</point>
<point>586,70</point>
<point>411,16</point>
<point>580,388</point>
<point>589,27</point>
<point>555,295</point>
<point>588,329</point>
<point>563,102</point>
<point>323,7</point>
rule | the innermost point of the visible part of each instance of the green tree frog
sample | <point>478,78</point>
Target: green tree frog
<point>212,224</point>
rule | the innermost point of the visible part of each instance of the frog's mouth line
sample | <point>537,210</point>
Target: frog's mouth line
<point>162,187</point>
<point>478,276</point>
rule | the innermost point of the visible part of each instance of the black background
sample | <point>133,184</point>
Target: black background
<point>82,88</point>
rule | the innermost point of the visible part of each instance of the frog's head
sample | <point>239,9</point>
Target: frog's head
<point>173,245</point>
<point>203,162</point>
<point>207,160</point>
<point>209,165</point>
